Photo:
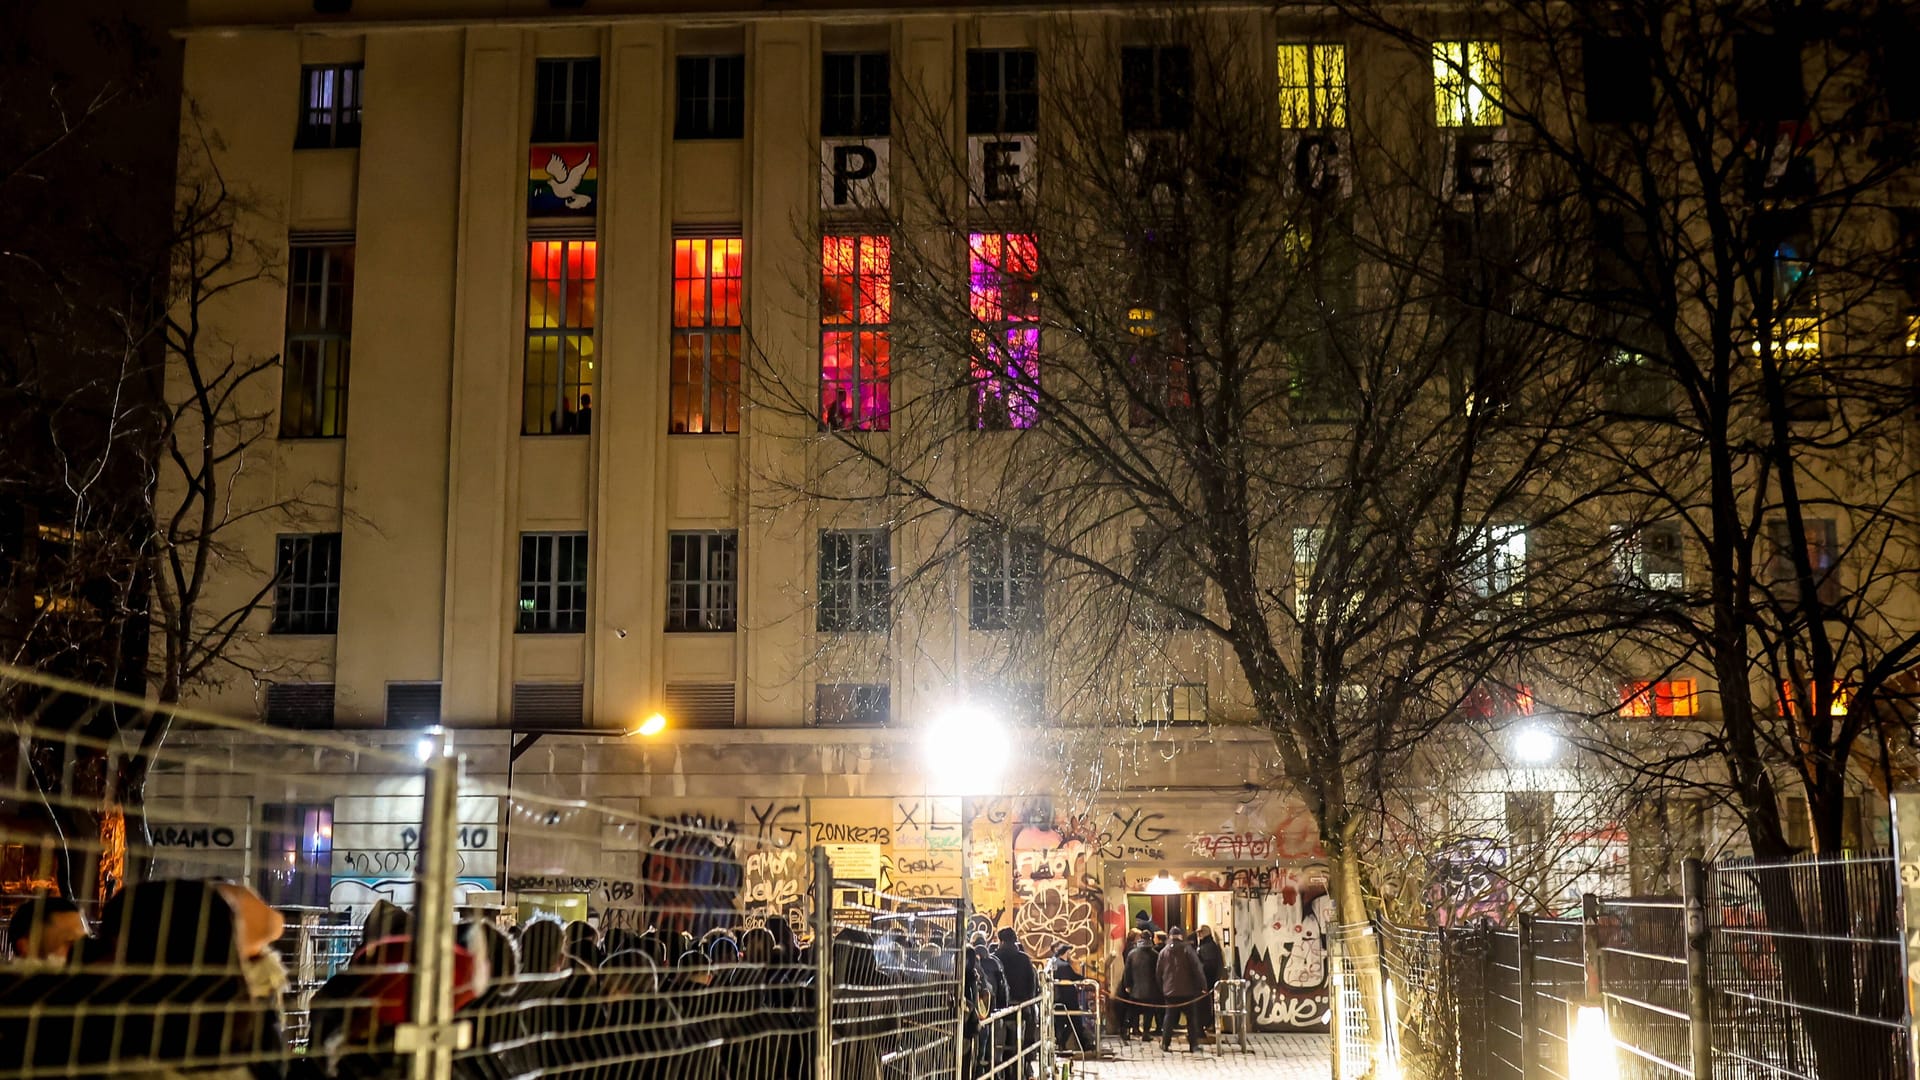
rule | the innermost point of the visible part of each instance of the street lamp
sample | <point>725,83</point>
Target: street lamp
<point>964,750</point>
<point>654,724</point>
<point>1534,745</point>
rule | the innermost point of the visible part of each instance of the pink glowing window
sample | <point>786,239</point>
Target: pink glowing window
<point>856,306</point>
<point>1005,304</point>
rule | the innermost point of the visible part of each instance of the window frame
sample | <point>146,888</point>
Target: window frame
<point>699,325</point>
<point>1632,557</point>
<point>580,343</point>
<point>1826,570</point>
<point>339,119</point>
<point>1015,110</point>
<point>1325,97</point>
<point>699,600</point>
<point>294,612</point>
<point>575,116</point>
<point>1005,579</point>
<point>1498,574</point>
<point>1646,698</point>
<point>847,601</point>
<point>865,376</point>
<point>560,617</point>
<point>1003,387</point>
<point>1166,102</point>
<point>702,115</point>
<point>858,111</point>
<point>317,360</point>
<point>1464,69</point>
<point>871,704</point>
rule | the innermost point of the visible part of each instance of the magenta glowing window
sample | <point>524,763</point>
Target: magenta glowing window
<point>1005,304</point>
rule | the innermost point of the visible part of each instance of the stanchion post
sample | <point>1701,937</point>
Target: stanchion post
<point>822,965</point>
<point>1693,897</point>
<point>1523,992</point>
<point>432,1035</point>
<point>1048,1025</point>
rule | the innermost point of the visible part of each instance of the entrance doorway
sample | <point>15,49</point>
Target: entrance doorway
<point>1190,910</point>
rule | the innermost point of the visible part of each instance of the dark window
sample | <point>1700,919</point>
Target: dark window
<point>566,100</point>
<point>1156,87</point>
<point>851,704</point>
<point>548,705</point>
<point>306,597</point>
<point>712,97</point>
<point>1529,817</point>
<point>1003,91</point>
<point>1478,259</point>
<point>296,855</point>
<point>1619,82</point>
<point>313,372</point>
<point>553,583</point>
<point>856,574</point>
<point>1636,386</point>
<point>1162,570</point>
<point>413,704</point>
<point>1767,78</point>
<point>300,705</point>
<point>1004,582</point>
<point>329,107</point>
<point>1823,556</point>
<point>855,99</point>
<point>702,569</point>
<point>1899,44</point>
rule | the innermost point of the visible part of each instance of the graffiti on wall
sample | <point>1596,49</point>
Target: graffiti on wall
<point>1284,919</point>
<point>1467,883</point>
<point>1055,897</point>
<point>775,885</point>
<point>690,875</point>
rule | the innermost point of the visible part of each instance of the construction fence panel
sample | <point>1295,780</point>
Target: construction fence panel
<point>1558,982</point>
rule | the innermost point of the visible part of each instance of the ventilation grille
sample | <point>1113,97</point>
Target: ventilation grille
<point>413,704</point>
<point>548,705</point>
<point>562,230</point>
<point>320,237</point>
<point>700,704</point>
<point>300,704</point>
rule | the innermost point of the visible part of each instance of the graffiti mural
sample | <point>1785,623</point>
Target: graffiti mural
<point>1056,896</point>
<point>689,877</point>
<point>1284,917</point>
<point>1467,883</point>
<point>775,885</point>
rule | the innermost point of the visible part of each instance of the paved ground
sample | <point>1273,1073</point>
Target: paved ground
<point>1270,1057</point>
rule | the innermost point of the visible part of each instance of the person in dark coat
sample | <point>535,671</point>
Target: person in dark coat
<point>1023,982</point>
<point>1143,922</point>
<point>1184,985</point>
<point>1074,1029</point>
<point>1140,989</point>
<point>1213,961</point>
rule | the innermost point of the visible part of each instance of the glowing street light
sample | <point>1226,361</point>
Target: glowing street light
<point>965,751</point>
<point>651,726</point>
<point>1535,745</point>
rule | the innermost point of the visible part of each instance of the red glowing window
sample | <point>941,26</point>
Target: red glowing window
<point>1665,697</point>
<point>856,306</point>
<point>561,296</point>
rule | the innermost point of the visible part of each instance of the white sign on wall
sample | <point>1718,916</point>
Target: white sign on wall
<point>1000,169</point>
<point>855,173</point>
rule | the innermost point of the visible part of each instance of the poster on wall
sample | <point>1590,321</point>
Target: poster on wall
<point>563,179</point>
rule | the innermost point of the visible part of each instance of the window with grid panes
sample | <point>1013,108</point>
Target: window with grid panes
<point>1664,697</point>
<point>329,106</point>
<point>851,704</point>
<point>553,583</point>
<point>566,100</point>
<point>313,369</point>
<point>856,98</point>
<point>701,580</point>
<point>1498,570</point>
<point>561,315</point>
<point>1005,305</point>
<point>856,580</point>
<point>1313,85</point>
<point>1003,91</point>
<point>1156,87</point>
<point>704,395</point>
<point>1823,558</point>
<point>856,310</point>
<point>1466,84</point>
<point>1649,557</point>
<point>1004,579</point>
<point>710,97</point>
<point>306,594</point>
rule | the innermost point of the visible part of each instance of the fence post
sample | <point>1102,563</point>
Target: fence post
<point>822,965</point>
<point>433,1034</point>
<point>1048,1025</point>
<point>1590,946</point>
<point>1526,1007</point>
<point>1693,898</point>
<point>1906,865</point>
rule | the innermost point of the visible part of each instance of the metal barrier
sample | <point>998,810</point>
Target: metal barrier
<point>1093,1001</point>
<point>1233,1012</point>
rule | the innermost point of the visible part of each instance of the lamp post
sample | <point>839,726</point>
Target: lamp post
<point>964,752</point>
<point>522,741</point>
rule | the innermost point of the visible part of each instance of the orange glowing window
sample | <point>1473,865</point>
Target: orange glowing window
<point>705,390</point>
<point>856,308</point>
<point>561,293</point>
<point>1839,698</point>
<point>1666,697</point>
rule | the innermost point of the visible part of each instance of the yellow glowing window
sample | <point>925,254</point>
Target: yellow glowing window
<point>1466,84</point>
<point>1913,332</point>
<point>1313,86</point>
<point>1795,337</point>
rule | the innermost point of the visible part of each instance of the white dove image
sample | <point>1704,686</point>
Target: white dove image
<point>565,180</point>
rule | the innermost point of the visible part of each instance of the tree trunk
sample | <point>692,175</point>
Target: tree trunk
<point>1363,959</point>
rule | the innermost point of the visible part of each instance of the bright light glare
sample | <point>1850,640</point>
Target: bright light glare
<point>1534,745</point>
<point>652,725</point>
<point>1163,884</point>
<point>965,751</point>
<point>423,750</point>
<point>1590,1054</point>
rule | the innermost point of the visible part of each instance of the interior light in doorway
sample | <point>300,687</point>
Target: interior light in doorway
<point>1163,885</point>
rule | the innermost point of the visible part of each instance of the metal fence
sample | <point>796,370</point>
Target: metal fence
<point>629,950</point>
<point>1792,971</point>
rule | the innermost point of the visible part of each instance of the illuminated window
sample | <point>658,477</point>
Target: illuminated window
<point>566,100</point>
<point>1913,332</point>
<point>1003,91</point>
<point>1156,88</point>
<point>710,97</point>
<point>560,348</point>
<point>329,106</point>
<point>1005,305</point>
<point>1839,698</point>
<point>1313,86</point>
<point>705,390</point>
<point>1004,579</point>
<point>856,98</point>
<point>313,371</point>
<point>1498,570</point>
<point>1159,372</point>
<point>856,306</point>
<point>306,595</point>
<point>553,583</point>
<point>1466,84</point>
<point>1666,697</point>
<point>1649,557</point>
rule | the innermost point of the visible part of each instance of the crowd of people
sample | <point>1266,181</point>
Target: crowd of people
<point>182,979</point>
<point>1167,981</point>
